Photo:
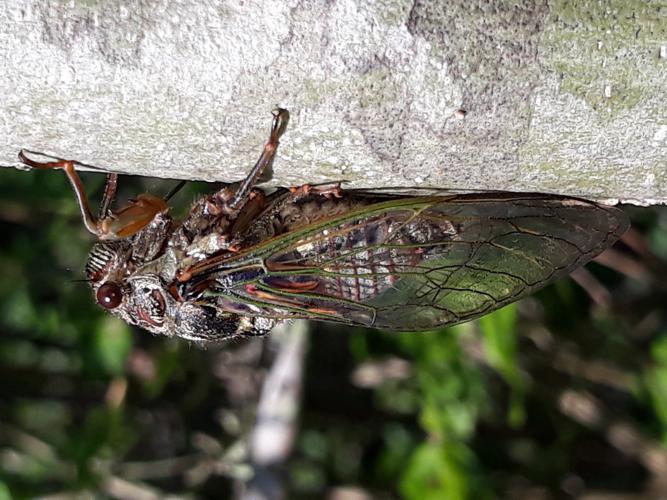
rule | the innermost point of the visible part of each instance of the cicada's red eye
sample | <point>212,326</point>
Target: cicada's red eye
<point>109,295</point>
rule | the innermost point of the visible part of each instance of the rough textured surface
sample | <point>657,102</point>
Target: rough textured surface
<point>565,97</point>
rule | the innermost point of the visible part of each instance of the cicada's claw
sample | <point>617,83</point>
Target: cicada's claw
<point>43,165</point>
<point>280,121</point>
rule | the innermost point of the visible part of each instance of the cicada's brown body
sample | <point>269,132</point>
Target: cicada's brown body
<point>243,260</point>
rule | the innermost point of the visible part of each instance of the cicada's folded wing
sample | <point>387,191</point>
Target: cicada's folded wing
<point>419,263</point>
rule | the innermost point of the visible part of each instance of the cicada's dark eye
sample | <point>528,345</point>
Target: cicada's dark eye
<point>109,295</point>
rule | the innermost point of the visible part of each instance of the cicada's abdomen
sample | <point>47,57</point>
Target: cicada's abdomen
<point>359,260</point>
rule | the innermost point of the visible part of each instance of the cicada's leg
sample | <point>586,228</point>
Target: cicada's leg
<point>212,228</point>
<point>326,190</point>
<point>131,219</point>
<point>263,295</point>
<point>231,201</point>
<point>278,127</point>
<point>252,209</point>
<point>79,191</point>
<point>109,195</point>
<point>109,225</point>
<point>231,209</point>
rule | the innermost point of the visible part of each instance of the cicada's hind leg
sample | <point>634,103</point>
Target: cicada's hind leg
<point>278,127</point>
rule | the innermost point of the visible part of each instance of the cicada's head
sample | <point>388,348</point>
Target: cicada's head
<point>138,293</point>
<point>129,289</point>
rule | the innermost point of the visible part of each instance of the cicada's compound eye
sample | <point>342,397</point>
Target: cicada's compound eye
<point>109,295</point>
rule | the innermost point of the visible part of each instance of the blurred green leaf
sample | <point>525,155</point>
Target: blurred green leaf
<point>18,310</point>
<point>438,471</point>
<point>103,435</point>
<point>168,361</point>
<point>452,396</point>
<point>655,382</point>
<point>314,445</point>
<point>399,444</point>
<point>451,387</point>
<point>499,330</point>
<point>111,344</point>
<point>5,494</point>
<point>657,237</point>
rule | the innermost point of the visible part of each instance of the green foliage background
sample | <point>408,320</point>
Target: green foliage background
<point>528,402</point>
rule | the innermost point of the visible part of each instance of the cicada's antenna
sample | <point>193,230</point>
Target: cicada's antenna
<point>174,190</point>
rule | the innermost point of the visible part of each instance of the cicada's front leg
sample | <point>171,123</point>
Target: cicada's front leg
<point>108,225</point>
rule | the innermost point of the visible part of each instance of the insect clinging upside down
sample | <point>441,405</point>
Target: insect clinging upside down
<point>243,259</point>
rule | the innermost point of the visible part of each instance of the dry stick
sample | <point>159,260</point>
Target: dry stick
<point>117,487</point>
<point>622,434</point>
<point>273,436</point>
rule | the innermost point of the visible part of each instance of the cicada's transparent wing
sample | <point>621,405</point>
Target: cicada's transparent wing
<point>418,263</point>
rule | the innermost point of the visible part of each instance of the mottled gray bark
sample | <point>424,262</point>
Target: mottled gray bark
<point>557,98</point>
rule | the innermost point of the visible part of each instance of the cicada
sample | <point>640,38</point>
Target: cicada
<point>245,259</point>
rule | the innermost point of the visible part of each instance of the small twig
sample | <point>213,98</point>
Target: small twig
<point>158,469</point>
<point>117,487</point>
<point>624,264</point>
<point>619,433</point>
<point>595,290</point>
